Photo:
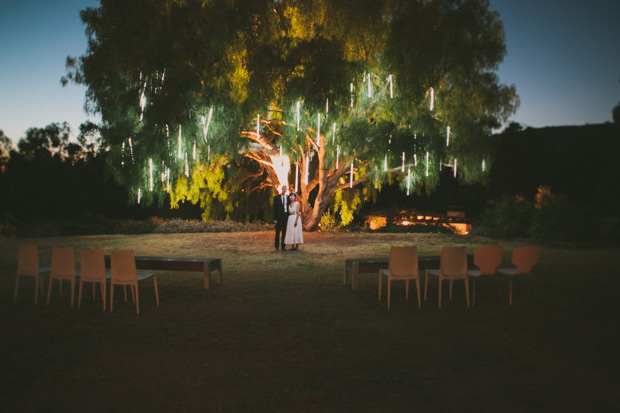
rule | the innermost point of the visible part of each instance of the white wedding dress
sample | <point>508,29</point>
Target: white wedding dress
<point>293,233</point>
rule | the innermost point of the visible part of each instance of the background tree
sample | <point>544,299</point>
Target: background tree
<point>326,94</point>
<point>6,146</point>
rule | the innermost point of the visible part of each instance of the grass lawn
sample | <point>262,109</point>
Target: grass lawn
<point>283,333</point>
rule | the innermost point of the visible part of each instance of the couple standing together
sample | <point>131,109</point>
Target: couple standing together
<point>287,217</point>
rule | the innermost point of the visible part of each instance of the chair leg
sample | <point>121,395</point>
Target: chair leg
<point>451,290</point>
<point>473,304</point>
<point>406,289</point>
<point>60,286</point>
<point>125,292</point>
<point>94,294</point>
<point>111,297</point>
<point>417,288</point>
<point>72,290</point>
<point>380,284</point>
<point>80,292</point>
<point>103,296</point>
<point>425,286</point>
<point>440,293</point>
<point>137,300</point>
<point>467,290</point>
<point>510,290</point>
<point>156,292</point>
<point>49,291</point>
<point>389,291</point>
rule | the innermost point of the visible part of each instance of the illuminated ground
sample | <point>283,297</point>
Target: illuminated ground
<point>283,333</point>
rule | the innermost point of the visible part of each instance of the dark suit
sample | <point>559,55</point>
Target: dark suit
<point>281,216</point>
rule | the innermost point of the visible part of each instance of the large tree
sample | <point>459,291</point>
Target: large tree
<point>323,94</point>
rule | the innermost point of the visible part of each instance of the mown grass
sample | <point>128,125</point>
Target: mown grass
<point>283,333</point>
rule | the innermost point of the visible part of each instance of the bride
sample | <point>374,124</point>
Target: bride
<point>294,235</point>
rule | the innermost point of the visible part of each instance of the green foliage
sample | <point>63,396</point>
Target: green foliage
<point>6,146</point>
<point>346,203</point>
<point>223,188</point>
<point>552,218</point>
<point>175,226</point>
<point>93,225</point>
<point>329,221</point>
<point>563,221</point>
<point>506,217</point>
<point>154,70</point>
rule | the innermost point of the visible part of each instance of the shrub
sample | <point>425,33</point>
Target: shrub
<point>507,217</point>
<point>328,221</point>
<point>559,221</point>
<point>194,226</point>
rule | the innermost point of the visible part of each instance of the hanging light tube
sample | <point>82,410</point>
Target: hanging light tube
<point>296,175</point>
<point>318,129</point>
<point>351,178</point>
<point>180,151</point>
<point>151,174</point>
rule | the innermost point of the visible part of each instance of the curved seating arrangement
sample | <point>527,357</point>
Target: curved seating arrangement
<point>92,269</point>
<point>403,265</point>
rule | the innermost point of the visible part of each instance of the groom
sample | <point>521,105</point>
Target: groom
<point>280,216</point>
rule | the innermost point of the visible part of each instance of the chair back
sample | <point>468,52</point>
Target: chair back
<point>28,260</point>
<point>404,261</point>
<point>488,258</point>
<point>123,266</point>
<point>453,261</point>
<point>63,262</point>
<point>524,258</point>
<point>93,265</point>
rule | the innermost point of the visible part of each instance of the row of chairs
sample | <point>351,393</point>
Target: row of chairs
<point>403,265</point>
<point>92,270</point>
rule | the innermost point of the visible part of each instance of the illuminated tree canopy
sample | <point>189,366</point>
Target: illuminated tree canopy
<point>323,94</point>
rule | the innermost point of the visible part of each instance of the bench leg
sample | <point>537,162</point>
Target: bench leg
<point>207,276</point>
<point>355,279</point>
<point>156,292</point>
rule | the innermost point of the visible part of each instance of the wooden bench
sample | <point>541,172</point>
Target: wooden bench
<point>356,266</point>
<point>204,265</point>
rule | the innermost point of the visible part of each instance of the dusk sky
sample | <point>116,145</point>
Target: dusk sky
<point>563,57</point>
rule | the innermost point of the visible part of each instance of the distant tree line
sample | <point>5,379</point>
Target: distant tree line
<point>49,176</point>
<point>580,162</point>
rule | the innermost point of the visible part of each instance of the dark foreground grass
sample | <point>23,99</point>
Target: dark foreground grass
<point>282,333</point>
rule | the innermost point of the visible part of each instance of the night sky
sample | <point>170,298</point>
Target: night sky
<point>563,57</point>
